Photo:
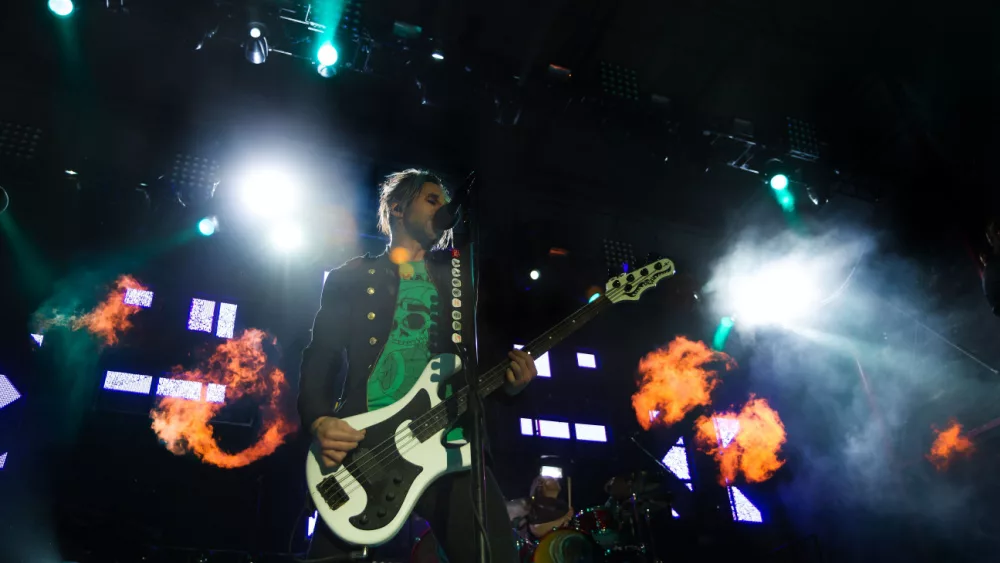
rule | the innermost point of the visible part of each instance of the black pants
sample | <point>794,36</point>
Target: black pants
<point>447,507</point>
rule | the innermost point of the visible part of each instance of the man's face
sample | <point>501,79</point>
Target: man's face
<point>418,219</point>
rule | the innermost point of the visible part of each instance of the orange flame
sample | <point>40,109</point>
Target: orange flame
<point>948,444</point>
<point>111,317</point>
<point>241,365</point>
<point>755,447</point>
<point>674,381</point>
<point>107,321</point>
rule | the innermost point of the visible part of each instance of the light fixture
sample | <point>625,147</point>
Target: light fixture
<point>256,47</point>
<point>326,59</point>
<point>208,226</point>
<point>437,55</point>
<point>61,8</point>
<point>535,274</point>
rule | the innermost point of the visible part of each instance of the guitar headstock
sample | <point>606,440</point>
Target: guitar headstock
<point>630,286</point>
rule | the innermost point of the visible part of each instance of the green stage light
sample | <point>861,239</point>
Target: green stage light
<point>61,8</point>
<point>779,181</point>
<point>327,54</point>
<point>207,226</point>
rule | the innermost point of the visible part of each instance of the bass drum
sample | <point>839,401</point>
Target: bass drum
<point>600,523</point>
<point>566,545</point>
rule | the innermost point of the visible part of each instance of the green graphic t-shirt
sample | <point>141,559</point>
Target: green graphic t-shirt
<point>407,350</point>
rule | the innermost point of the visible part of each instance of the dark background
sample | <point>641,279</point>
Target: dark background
<point>903,96</point>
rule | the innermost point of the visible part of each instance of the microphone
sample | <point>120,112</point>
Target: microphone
<point>449,214</point>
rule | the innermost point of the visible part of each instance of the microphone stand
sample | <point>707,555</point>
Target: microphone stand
<point>470,364</point>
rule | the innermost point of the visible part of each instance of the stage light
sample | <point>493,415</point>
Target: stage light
<point>270,192</point>
<point>256,48</point>
<point>779,182</point>
<point>61,8</point>
<point>327,55</point>
<point>287,236</point>
<point>207,226</point>
<point>777,293</point>
<point>71,173</point>
<point>594,297</point>
<point>535,274</point>
<point>437,55</point>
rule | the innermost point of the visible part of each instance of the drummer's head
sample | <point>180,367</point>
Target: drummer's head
<point>545,486</point>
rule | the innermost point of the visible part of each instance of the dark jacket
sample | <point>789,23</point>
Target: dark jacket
<point>353,323</point>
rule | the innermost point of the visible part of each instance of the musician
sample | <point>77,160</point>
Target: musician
<point>381,319</point>
<point>547,511</point>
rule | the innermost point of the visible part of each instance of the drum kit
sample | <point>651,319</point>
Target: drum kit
<point>616,532</point>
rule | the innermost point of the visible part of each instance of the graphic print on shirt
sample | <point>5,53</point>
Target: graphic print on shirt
<point>407,350</point>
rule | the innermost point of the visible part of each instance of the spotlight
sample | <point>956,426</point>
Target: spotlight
<point>208,225</point>
<point>775,174</point>
<point>535,274</point>
<point>269,192</point>
<point>327,54</point>
<point>61,8</point>
<point>326,58</point>
<point>256,48</point>
<point>71,173</point>
<point>779,182</point>
<point>287,236</point>
<point>437,55</point>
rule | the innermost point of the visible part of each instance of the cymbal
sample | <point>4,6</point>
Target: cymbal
<point>633,483</point>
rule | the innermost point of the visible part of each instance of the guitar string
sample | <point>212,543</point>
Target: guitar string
<point>383,450</point>
<point>385,453</point>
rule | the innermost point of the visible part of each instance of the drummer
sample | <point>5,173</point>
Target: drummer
<point>547,511</point>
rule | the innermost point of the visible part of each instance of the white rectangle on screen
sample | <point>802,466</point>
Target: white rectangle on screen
<point>3,459</point>
<point>215,393</point>
<point>553,429</point>
<point>541,363</point>
<point>201,315</point>
<point>585,360</point>
<point>179,388</point>
<point>591,432</point>
<point>227,320</point>
<point>527,427</point>
<point>138,297</point>
<point>551,471</point>
<point>129,382</point>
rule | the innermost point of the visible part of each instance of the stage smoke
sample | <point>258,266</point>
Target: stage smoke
<point>108,321</point>
<point>949,444</point>
<point>753,450</point>
<point>240,364</point>
<point>676,380</point>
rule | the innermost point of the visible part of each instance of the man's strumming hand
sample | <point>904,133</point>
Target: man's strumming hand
<point>335,438</point>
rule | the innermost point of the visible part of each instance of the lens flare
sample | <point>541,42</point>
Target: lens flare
<point>949,444</point>
<point>753,450</point>
<point>108,321</point>
<point>676,380</point>
<point>241,365</point>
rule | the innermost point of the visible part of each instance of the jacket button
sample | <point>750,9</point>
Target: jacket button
<point>371,291</point>
<point>371,316</point>
<point>373,341</point>
<point>371,271</point>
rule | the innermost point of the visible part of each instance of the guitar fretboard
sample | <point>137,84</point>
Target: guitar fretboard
<point>445,413</point>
